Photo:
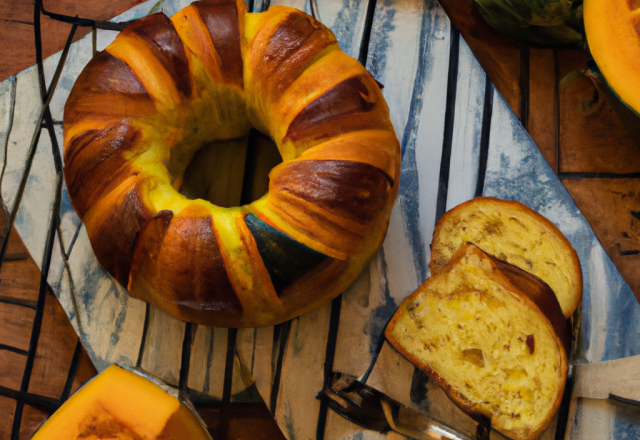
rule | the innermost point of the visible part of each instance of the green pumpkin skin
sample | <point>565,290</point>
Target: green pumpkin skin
<point>286,259</point>
<point>536,22</point>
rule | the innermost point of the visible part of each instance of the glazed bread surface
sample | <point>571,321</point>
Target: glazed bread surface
<point>514,233</point>
<point>162,90</point>
<point>487,343</point>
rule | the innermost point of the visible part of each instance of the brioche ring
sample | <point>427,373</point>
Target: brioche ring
<point>164,88</point>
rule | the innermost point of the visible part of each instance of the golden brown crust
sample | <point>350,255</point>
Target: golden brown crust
<point>533,289</point>
<point>333,201</point>
<point>162,40</point>
<point>95,161</point>
<point>164,88</point>
<point>349,106</point>
<point>113,224</point>
<point>177,261</point>
<point>280,53</point>
<point>448,235</point>
<point>107,90</point>
<point>542,295</point>
<point>221,19</point>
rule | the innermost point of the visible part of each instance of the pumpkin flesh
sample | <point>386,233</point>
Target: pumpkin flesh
<point>613,34</point>
<point>120,404</point>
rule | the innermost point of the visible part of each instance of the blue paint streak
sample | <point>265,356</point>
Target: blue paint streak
<point>380,316</point>
<point>346,24</point>
<point>115,335</point>
<point>289,424</point>
<point>207,375</point>
<point>380,42</point>
<point>65,203</point>
<point>409,183</point>
<point>626,424</point>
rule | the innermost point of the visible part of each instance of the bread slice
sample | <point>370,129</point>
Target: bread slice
<point>487,342</point>
<point>514,233</point>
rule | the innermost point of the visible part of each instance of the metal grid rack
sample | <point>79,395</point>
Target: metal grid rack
<point>281,331</point>
<point>45,121</point>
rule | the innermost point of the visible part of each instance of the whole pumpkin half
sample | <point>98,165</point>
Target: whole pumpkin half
<point>613,34</point>
<point>123,405</point>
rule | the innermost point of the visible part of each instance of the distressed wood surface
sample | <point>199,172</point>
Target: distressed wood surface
<point>16,28</point>
<point>55,354</point>
<point>459,137</point>
<point>619,230</point>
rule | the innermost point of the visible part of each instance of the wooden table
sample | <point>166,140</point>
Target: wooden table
<point>585,144</point>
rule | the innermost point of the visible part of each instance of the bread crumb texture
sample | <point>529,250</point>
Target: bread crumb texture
<point>517,235</point>
<point>493,349</point>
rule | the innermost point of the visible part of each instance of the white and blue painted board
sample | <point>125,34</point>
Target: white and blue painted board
<point>410,52</point>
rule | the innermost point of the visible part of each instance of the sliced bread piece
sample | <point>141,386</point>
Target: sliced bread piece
<point>514,233</point>
<point>486,341</point>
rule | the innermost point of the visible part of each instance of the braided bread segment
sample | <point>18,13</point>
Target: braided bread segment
<point>178,266</point>
<point>246,270</point>
<point>152,49</point>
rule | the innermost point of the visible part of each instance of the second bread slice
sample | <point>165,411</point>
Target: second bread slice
<point>486,342</point>
<point>516,234</point>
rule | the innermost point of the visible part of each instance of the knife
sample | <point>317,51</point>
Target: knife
<point>374,410</point>
<point>618,379</point>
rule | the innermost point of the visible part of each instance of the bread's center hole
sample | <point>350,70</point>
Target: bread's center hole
<point>231,173</point>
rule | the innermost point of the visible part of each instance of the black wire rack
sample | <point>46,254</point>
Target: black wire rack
<point>45,121</point>
<point>281,331</point>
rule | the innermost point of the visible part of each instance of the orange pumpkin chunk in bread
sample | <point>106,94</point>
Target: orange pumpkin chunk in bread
<point>487,343</point>
<point>516,234</point>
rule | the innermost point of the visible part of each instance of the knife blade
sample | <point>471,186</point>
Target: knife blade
<point>618,379</point>
<point>374,410</point>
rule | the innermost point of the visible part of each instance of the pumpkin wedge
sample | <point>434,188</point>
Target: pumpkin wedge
<point>122,404</point>
<point>613,34</point>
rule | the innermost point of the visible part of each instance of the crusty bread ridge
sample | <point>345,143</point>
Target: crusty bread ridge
<point>486,342</point>
<point>514,233</point>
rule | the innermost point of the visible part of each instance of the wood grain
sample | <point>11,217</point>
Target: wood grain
<point>7,409</point>
<point>55,351</point>
<point>17,34</point>
<point>20,280</point>
<point>240,421</point>
<point>541,123</point>
<point>592,137</point>
<point>16,321</point>
<point>31,419</point>
<point>612,207</point>
<point>501,59</point>
<point>498,55</point>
